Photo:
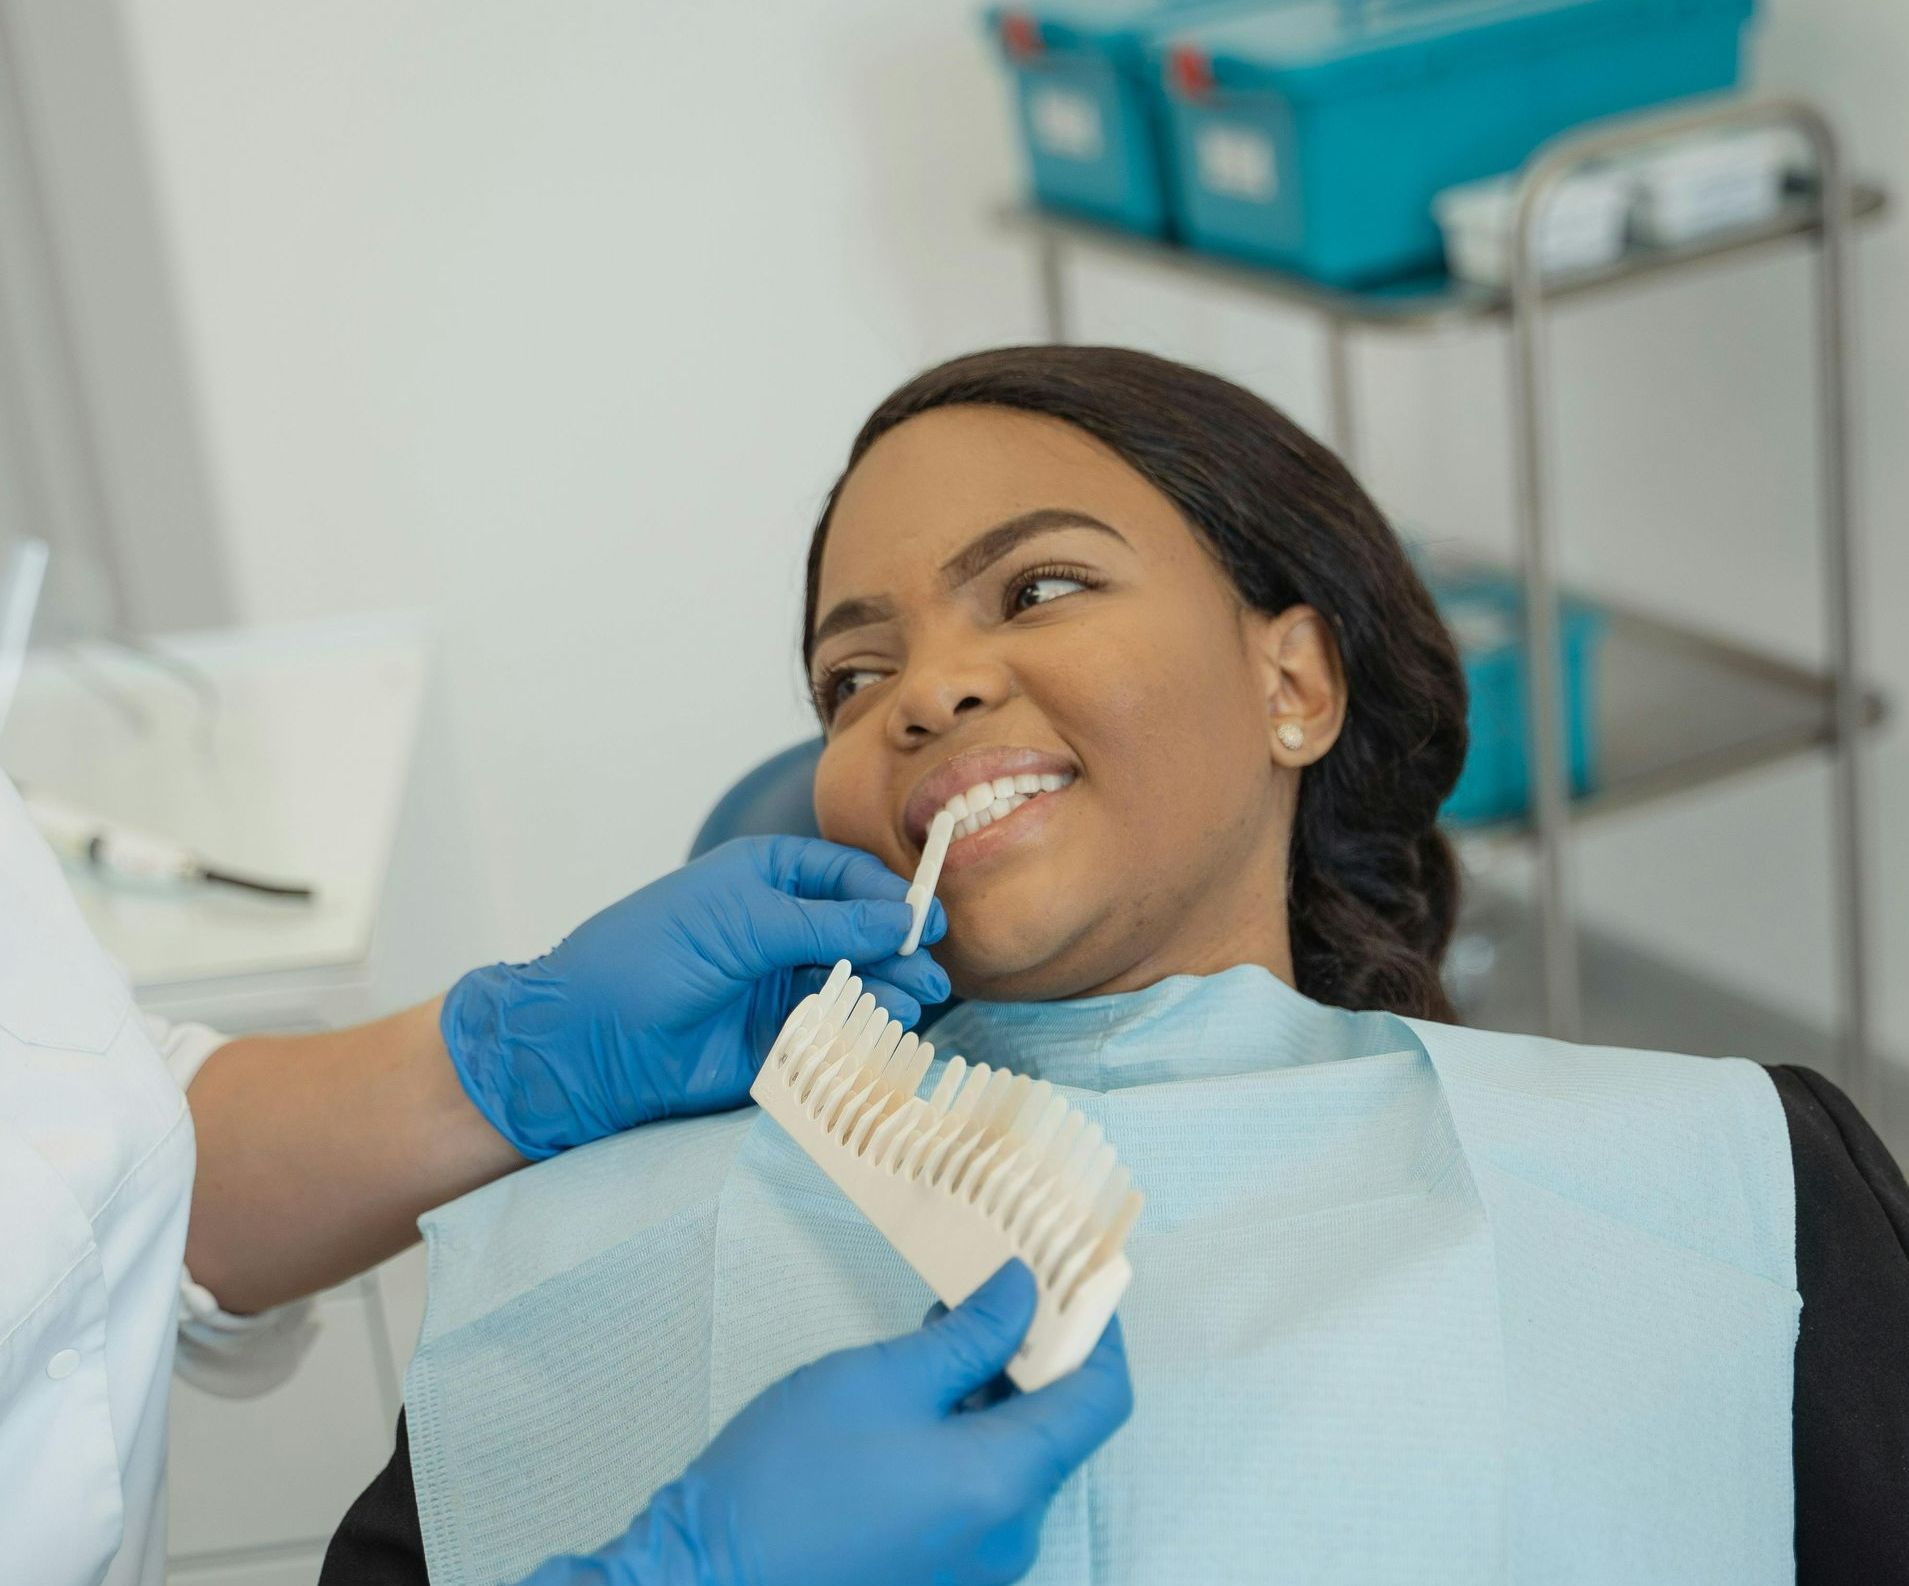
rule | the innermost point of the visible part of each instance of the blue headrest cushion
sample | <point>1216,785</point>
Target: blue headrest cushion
<point>777,799</point>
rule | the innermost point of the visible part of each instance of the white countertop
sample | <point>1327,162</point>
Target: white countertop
<point>289,760</point>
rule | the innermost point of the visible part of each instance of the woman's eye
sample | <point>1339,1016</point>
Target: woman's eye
<point>845,685</point>
<point>1033,592</point>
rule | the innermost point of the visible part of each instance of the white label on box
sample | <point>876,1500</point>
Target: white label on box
<point>1066,124</point>
<point>1237,162</point>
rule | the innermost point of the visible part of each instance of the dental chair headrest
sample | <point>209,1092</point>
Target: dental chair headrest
<point>777,799</point>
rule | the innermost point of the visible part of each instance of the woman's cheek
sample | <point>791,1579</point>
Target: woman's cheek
<point>832,815</point>
<point>848,807</point>
<point>1168,731</point>
<point>1130,712</point>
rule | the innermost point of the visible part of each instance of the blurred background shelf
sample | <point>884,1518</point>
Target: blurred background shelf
<point>1424,303</point>
<point>1679,709</point>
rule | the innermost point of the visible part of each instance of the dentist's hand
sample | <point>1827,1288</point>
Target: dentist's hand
<point>665,1003</point>
<point>874,1467</point>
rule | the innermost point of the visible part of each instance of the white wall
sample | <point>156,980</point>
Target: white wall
<point>102,458</point>
<point>559,319</point>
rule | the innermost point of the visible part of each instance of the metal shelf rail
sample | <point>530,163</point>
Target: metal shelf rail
<point>1679,709</point>
<point>1682,709</point>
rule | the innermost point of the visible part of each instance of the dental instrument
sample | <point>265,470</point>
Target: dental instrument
<point>127,857</point>
<point>921,891</point>
<point>990,1166</point>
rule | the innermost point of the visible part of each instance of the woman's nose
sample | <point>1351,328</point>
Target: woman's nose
<point>938,692</point>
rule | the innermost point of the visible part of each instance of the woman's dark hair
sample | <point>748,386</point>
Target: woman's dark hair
<point>1372,882</point>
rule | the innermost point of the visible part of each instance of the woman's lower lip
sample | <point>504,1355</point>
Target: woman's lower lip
<point>1015,826</point>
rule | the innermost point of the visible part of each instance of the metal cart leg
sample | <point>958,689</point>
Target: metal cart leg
<point>1053,268</point>
<point>1840,586</point>
<point>1562,997</point>
<point>384,1364</point>
<point>1342,412</point>
<point>1530,384</point>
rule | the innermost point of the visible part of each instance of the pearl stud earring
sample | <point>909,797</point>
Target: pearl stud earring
<point>1290,735</point>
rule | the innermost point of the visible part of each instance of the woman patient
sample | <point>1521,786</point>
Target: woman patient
<point>1410,1302</point>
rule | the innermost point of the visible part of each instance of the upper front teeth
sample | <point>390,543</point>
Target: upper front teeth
<point>989,801</point>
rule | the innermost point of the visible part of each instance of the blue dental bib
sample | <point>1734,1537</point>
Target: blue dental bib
<point>1411,1304</point>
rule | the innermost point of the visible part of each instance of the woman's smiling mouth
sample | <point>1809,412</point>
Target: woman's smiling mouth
<point>988,802</point>
<point>993,795</point>
<point>1003,822</point>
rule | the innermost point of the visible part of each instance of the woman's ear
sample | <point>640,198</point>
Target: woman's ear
<point>1303,683</point>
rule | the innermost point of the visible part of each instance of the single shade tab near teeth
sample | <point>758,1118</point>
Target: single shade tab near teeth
<point>921,891</point>
<point>989,1165</point>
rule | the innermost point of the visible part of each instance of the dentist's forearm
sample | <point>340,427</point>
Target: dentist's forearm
<point>318,1153</point>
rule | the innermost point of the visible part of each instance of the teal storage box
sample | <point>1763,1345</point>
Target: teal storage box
<point>1314,136</point>
<point>1485,613</point>
<point>1088,103</point>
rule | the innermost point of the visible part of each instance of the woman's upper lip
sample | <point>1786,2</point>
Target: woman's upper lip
<point>962,771</point>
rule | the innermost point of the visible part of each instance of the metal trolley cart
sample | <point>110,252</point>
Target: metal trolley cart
<point>1681,709</point>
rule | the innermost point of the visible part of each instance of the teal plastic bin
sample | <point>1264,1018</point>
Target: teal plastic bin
<point>1485,613</point>
<point>1088,102</point>
<point>1314,136</point>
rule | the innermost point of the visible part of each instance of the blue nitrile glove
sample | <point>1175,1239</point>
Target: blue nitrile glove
<point>869,1469</point>
<point>665,1003</point>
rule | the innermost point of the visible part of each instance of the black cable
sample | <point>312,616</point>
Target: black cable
<point>275,889</point>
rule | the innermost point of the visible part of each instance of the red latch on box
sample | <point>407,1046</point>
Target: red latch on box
<point>1020,35</point>
<point>1189,72</point>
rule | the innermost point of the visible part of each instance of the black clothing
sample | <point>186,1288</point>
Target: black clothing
<point>381,1542</point>
<point>1851,1433</point>
<point>1851,1414</point>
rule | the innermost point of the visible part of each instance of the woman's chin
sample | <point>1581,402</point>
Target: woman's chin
<point>1031,960</point>
<point>1033,925</point>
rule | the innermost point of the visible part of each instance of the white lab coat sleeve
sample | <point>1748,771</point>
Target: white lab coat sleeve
<point>232,1356</point>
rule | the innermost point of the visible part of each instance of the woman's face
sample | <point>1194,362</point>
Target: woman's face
<point>1003,597</point>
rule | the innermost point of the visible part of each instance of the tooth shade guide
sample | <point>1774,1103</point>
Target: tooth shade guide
<point>921,891</point>
<point>989,1166</point>
<point>948,1084</point>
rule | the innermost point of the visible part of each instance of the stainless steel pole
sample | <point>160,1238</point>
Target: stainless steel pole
<point>1530,375</point>
<point>1562,996</point>
<point>1840,579</point>
<point>1053,267</point>
<point>1342,411</point>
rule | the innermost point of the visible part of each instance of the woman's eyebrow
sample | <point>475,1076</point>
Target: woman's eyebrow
<point>852,614</point>
<point>989,547</point>
<point>965,565</point>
